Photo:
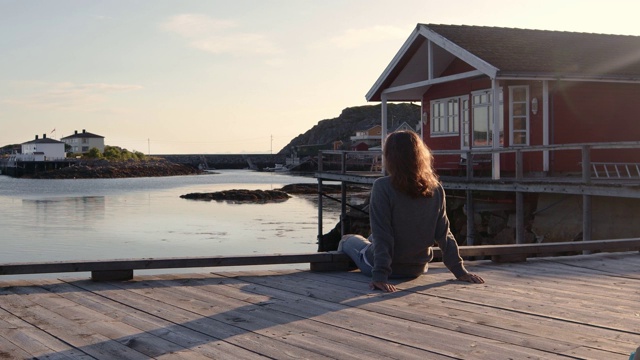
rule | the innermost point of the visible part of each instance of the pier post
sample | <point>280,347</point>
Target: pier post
<point>520,238</point>
<point>343,208</point>
<point>112,275</point>
<point>471,227</point>
<point>320,242</point>
<point>586,199</point>
<point>469,166</point>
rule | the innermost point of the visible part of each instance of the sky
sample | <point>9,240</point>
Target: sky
<point>221,76</point>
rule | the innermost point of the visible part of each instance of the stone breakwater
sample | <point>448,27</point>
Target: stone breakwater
<point>101,169</point>
<point>227,161</point>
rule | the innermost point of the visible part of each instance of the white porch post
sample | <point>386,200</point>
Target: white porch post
<point>545,124</point>
<point>495,104</point>
<point>383,110</point>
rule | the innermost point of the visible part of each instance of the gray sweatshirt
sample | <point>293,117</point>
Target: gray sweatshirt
<point>403,231</point>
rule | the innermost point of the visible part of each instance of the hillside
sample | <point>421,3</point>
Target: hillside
<point>353,119</point>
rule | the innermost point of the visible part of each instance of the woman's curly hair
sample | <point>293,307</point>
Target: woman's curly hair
<point>410,164</point>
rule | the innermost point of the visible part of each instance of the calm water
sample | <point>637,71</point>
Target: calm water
<point>47,220</point>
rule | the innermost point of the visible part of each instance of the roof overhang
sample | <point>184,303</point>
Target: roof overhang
<point>425,55</point>
<point>568,77</point>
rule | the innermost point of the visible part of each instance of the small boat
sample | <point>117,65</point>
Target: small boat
<point>276,168</point>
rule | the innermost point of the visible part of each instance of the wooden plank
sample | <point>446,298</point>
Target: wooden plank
<point>350,343</point>
<point>58,348</point>
<point>148,323</point>
<point>9,350</point>
<point>381,325</point>
<point>516,326</point>
<point>623,265</point>
<point>551,248</point>
<point>572,282</point>
<point>145,343</point>
<point>252,314</point>
<point>428,314</point>
<point>33,340</point>
<point>27,341</point>
<point>73,332</point>
<point>513,322</point>
<point>550,271</point>
<point>208,319</point>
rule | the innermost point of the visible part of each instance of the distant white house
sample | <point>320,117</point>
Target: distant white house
<point>405,127</point>
<point>84,141</point>
<point>42,149</point>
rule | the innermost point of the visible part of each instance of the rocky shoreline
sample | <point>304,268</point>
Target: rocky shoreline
<point>104,169</point>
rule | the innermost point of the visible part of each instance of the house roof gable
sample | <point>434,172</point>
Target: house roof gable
<point>510,53</point>
<point>83,134</point>
<point>43,141</point>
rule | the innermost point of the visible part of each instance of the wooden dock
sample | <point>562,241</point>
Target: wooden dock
<point>579,307</point>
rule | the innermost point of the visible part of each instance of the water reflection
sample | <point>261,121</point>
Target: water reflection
<point>48,220</point>
<point>67,210</point>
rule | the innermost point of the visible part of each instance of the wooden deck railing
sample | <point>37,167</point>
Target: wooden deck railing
<point>346,161</point>
<point>106,270</point>
<point>335,166</point>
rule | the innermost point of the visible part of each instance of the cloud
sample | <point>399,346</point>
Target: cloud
<point>354,38</point>
<point>219,36</point>
<point>65,95</point>
<point>195,25</point>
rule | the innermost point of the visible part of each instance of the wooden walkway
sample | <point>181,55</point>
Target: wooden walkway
<point>581,307</point>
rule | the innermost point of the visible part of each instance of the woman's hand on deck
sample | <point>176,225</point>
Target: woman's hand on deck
<point>471,278</point>
<point>381,285</point>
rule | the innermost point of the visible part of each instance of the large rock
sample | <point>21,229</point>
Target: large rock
<point>256,196</point>
<point>351,119</point>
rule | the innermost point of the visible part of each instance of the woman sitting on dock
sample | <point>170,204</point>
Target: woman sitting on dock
<point>407,215</point>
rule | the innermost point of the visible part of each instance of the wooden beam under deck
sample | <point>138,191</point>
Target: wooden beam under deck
<point>108,270</point>
<point>614,188</point>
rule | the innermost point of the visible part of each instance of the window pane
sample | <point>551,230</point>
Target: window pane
<point>520,109</point>
<point>480,126</point>
<point>519,138</point>
<point>519,124</point>
<point>520,94</point>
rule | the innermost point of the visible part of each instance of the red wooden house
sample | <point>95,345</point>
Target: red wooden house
<point>490,87</point>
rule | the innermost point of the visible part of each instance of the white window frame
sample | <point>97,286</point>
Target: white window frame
<point>512,116</point>
<point>488,105</point>
<point>451,122</point>
<point>465,122</point>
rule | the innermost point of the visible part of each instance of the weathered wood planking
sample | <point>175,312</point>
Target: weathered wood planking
<point>438,312</point>
<point>549,308</point>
